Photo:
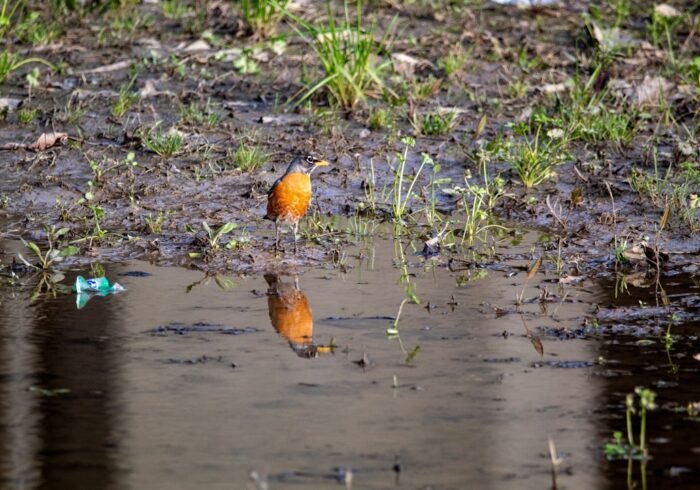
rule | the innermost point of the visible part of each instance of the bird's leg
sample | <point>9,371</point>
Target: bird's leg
<point>277,237</point>
<point>296,231</point>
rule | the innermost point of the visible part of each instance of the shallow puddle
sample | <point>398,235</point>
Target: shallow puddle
<point>188,381</point>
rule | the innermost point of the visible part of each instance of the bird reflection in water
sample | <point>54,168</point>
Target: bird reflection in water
<point>291,316</point>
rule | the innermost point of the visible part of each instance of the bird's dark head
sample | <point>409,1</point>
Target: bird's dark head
<point>306,164</point>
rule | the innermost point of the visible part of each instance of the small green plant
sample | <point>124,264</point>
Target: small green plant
<point>621,9</point>
<point>7,13</point>
<point>380,118</point>
<point>453,62</point>
<point>98,214</point>
<point>125,100</point>
<point>249,157</point>
<point>263,15</point>
<point>10,62</point>
<point>27,115</point>
<point>435,123</point>
<point>246,64</point>
<point>620,248</point>
<point>401,198</point>
<point>361,226</point>
<point>199,115</point>
<point>54,253</point>
<point>347,52</point>
<point>478,202</point>
<point>213,236</point>
<point>583,115</point>
<point>691,70</point>
<point>163,143</point>
<point>411,356</point>
<point>370,201</point>
<point>124,24</point>
<point>72,112</point>
<point>619,449</point>
<point>517,89</point>
<point>174,9</point>
<point>420,90</point>
<point>34,30</point>
<point>676,186</point>
<point>534,159</point>
<point>429,192</point>
<point>410,295</point>
<point>102,167</point>
<point>665,21</point>
<point>525,63</point>
<point>155,224</point>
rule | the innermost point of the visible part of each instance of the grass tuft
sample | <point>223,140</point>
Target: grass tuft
<point>249,157</point>
<point>263,15</point>
<point>347,52</point>
<point>163,143</point>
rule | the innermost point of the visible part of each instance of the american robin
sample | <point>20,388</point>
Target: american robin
<point>290,315</point>
<point>290,195</point>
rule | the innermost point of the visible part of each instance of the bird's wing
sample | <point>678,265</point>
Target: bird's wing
<point>272,189</point>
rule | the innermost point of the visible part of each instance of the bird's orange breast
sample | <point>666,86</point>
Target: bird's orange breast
<point>290,199</point>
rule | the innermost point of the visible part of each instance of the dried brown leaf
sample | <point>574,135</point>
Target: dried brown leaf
<point>405,64</point>
<point>119,65</point>
<point>652,90</point>
<point>569,279</point>
<point>638,280</point>
<point>481,126</point>
<point>665,10</point>
<point>47,140</point>
<point>665,216</point>
<point>576,197</point>
<point>531,273</point>
<point>534,339</point>
<point>537,344</point>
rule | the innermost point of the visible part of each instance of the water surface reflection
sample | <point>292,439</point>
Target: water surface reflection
<point>291,315</point>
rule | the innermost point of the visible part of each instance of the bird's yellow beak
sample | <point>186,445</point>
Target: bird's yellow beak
<point>321,163</point>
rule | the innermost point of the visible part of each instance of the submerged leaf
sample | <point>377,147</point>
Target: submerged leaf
<point>536,267</point>
<point>537,344</point>
<point>225,283</point>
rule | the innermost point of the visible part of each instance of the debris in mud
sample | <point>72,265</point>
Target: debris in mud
<point>85,289</point>
<point>96,285</point>
<point>45,141</point>
<point>563,364</point>
<point>501,360</point>
<point>635,314</point>
<point>47,392</point>
<point>200,327</point>
<point>364,362</point>
<point>9,104</point>
<point>585,332</point>
<point>431,247</point>
<point>655,257</point>
<point>136,274</point>
<point>198,360</point>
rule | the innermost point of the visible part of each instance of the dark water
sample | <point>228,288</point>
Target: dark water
<point>238,381</point>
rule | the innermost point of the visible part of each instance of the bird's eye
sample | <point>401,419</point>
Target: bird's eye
<point>310,159</point>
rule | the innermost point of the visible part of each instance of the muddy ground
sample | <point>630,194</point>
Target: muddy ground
<point>517,59</point>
